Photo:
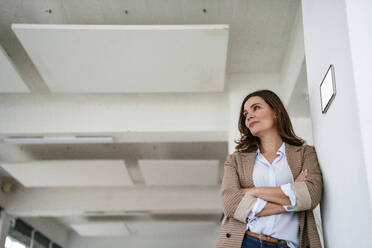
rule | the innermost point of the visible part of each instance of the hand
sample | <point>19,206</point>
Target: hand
<point>303,176</point>
<point>248,190</point>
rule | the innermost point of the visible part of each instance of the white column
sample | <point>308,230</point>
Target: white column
<point>359,16</point>
<point>4,227</point>
<point>335,32</point>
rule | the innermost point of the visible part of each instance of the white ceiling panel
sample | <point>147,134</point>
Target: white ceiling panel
<point>66,173</point>
<point>127,58</point>
<point>101,229</point>
<point>10,80</point>
<point>179,172</point>
<point>173,227</point>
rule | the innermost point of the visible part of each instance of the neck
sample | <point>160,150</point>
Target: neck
<point>270,143</point>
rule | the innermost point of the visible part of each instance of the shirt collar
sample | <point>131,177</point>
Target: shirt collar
<point>281,150</point>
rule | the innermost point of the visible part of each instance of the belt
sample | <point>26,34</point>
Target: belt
<point>266,238</point>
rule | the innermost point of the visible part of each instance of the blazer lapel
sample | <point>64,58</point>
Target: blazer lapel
<point>248,160</point>
<point>294,158</point>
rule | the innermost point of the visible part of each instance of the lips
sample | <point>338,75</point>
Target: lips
<point>252,123</point>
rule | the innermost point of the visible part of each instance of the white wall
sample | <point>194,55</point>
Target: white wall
<point>346,208</point>
<point>359,15</point>
<point>302,128</point>
<point>293,59</point>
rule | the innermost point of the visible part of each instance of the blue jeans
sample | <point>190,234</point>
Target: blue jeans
<point>252,242</point>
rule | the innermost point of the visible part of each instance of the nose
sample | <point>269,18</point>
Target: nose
<point>249,117</point>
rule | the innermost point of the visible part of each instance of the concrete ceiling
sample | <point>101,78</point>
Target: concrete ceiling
<point>9,76</point>
<point>258,39</point>
<point>185,185</point>
<point>162,127</point>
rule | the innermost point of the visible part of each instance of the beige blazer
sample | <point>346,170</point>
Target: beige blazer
<point>236,205</point>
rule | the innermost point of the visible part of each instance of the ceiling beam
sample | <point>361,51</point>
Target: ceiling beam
<point>135,117</point>
<point>32,202</point>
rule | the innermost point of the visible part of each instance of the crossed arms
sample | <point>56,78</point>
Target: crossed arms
<point>274,196</point>
<point>238,202</point>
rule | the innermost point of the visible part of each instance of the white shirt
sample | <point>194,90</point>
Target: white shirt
<point>281,226</point>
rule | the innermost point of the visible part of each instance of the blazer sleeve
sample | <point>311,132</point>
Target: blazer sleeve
<point>309,193</point>
<point>235,203</point>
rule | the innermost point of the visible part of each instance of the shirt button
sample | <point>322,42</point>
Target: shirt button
<point>228,235</point>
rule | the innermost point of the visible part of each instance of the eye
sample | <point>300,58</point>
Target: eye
<point>255,107</point>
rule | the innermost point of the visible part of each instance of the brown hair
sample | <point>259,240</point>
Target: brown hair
<point>248,142</point>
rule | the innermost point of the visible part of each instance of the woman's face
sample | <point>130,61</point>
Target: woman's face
<point>259,117</point>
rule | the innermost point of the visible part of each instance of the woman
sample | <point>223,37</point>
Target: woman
<point>262,203</point>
